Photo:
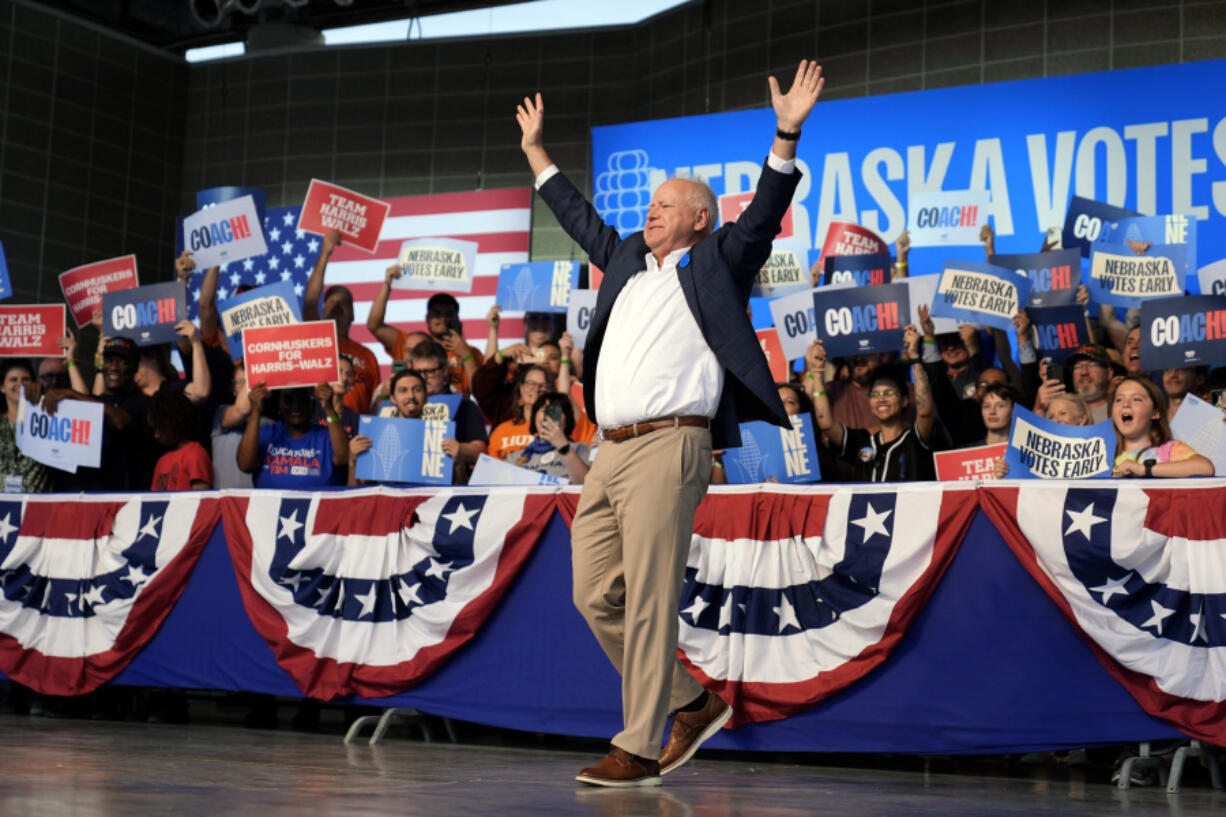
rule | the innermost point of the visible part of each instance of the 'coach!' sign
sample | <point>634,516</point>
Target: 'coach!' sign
<point>1054,276</point>
<point>1187,331</point>
<point>1059,330</point>
<point>858,270</point>
<point>223,233</point>
<point>31,331</point>
<point>861,321</point>
<point>146,314</point>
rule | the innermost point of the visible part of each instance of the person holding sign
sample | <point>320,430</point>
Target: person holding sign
<point>898,452</point>
<point>429,359</point>
<point>408,395</point>
<point>21,474</point>
<point>294,454</point>
<point>681,369</point>
<point>1143,437</point>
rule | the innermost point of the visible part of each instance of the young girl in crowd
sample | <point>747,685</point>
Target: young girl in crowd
<point>408,395</point>
<point>185,465</point>
<point>996,408</point>
<point>1144,447</point>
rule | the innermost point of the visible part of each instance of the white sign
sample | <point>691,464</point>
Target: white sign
<point>437,263</point>
<point>947,218</point>
<point>1213,278</point>
<point>579,314</point>
<point>69,438</point>
<point>224,233</point>
<point>795,323</point>
<point>923,292</point>
<point>1199,424</point>
<point>492,471</point>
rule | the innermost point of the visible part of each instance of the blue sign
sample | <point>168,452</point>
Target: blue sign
<point>1059,330</point>
<point>1045,449</point>
<point>537,286</point>
<point>1179,332</point>
<point>978,293</point>
<point>1154,230</point>
<point>6,288</point>
<point>442,407</point>
<point>861,321</point>
<point>271,305</point>
<point>216,195</point>
<point>1085,221</point>
<point>1032,155</point>
<point>145,314</point>
<point>1054,276</point>
<point>768,451</point>
<point>860,270</point>
<point>1121,277</point>
<point>405,451</point>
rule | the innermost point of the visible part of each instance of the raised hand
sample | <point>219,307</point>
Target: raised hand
<point>494,317</point>
<point>184,266</point>
<point>531,118</point>
<point>792,108</point>
<point>257,396</point>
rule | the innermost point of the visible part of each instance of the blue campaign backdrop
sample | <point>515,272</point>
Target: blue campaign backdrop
<point>1054,276</point>
<point>537,286</point>
<point>771,451</point>
<point>1060,330</point>
<point>1033,155</point>
<point>1187,331</point>
<point>397,452</point>
<point>6,288</point>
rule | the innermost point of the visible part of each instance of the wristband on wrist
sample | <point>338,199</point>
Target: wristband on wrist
<point>498,356</point>
<point>1149,468</point>
<point>821,393</point>
<point>930,340</point>
<point>70,363</point>
<point>564,361</point>
<point>787,135</point>
<point>564,450</point>
<point>466,357</point>
<point>811,375</point>
<point>333,419</point>
<point>900,264</point>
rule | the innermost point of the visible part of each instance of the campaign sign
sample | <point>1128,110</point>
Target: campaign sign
<point>1187,331</point>
<point>493,471</point>
<point>968,463</point>
<point>1199,424</point>
<point>1212,278</point>
<point>441,407</point>
<point>1084,222</point>
<point>783,273</point>
<point>947,218</point>
<point>31,331</point>
<point>861,321</point>
<point>216,195</point>
<point>1145,231</point>
<point>1054,276</point>
<point>972,292</point>
<point>1044,449</point>
<point>858,270</point>
<point>923,289</point>
<point>69,438</point>
<point>222,233</point>
<point>1059,330</point>
<point>795,323</point>
<point>84,286</point>
<point>405,450</point>
<point>359,219</point>
<point>146,314</point>
<point>579,311</point>
<point>301,354</point>
<point>846,238</point>
<point>768,339</point>
<point>1121,277</point>
<point>787,454</point>
<point>437,263</point>
<point>731,205</point>
<point>6,286</point>
<point>271,305</point>
<point>537,286</point>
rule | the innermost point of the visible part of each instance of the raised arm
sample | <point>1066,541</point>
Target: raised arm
<point>376,321</point>
<point>815,382</point>
<point>531,118</point>
<point>925,406</point>
<point>202,379</point>
<point>793,108</point>
<point>315,284</point>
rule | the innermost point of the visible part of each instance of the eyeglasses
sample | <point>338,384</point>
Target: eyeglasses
<point>528,384</point>
<point>427,372</point>
<point>883,393</point>
<point>1086,365</point>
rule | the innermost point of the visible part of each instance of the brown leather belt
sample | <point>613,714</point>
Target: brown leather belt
<point>619,434</point>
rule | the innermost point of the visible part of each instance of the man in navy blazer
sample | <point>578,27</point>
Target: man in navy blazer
<point>672,367</point>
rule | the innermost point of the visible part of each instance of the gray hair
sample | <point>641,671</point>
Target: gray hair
<point>702,197</point>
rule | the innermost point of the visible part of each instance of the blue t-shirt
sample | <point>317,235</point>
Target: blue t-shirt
<point>292,464</point>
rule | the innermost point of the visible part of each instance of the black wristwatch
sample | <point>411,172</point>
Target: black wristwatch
<point>564,450</point>
<point>1149,467</point>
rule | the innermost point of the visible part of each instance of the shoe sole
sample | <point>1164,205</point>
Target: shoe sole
<point>639,783</point>
<point>713,727</point>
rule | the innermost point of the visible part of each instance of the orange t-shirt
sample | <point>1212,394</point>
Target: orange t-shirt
<point>365,375</point>
<point>455,367</point>
<point>508,438</point>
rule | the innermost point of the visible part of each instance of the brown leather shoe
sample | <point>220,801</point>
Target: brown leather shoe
<point>622,770</point>
<point>691,729</point>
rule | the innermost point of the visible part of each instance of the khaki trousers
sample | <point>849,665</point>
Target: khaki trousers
<point>630,539</point>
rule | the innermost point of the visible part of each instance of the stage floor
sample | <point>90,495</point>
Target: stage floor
<point>86,768</point>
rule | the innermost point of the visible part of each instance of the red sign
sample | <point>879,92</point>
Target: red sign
<point>594,276</point>
<point>769,340</point>
<point>299,354</point>
<point>83,286</point>
<point>733,204</point>
<point>576,394</point>
<point>969,463</point>
<point>31,331</point>
<point>359,219</point>
<point>845,238</point>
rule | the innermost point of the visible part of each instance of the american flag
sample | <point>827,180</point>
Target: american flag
<point>500,221</point>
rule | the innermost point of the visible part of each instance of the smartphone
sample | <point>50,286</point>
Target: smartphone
<point>1218,398</point>
<point>399,366</point>
<point>454,325</point>
<point>554,412</point>
<point>1055,372</point>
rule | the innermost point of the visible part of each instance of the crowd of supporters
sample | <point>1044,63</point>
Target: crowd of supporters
<point>878,417</point>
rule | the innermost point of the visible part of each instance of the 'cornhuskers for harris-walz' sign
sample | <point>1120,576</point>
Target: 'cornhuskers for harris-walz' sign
<point>358,218</point>
<point>301,354</point>
<point>85,285</point>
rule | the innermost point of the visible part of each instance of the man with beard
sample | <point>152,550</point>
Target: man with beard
<point>128,454</point>
<point>1091,368</point>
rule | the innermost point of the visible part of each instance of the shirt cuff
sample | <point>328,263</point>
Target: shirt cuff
<point>546,174</point>
<point>776,163</point>
<point>930,352</point>
<point>1026,353</point>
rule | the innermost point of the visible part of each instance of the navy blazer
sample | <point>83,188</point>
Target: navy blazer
<point>716,282</point>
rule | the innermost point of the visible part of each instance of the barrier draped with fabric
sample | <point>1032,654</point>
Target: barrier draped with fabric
<point>893,618</point>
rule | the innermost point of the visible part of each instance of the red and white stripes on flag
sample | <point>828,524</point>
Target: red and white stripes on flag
<point>500,221</point>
